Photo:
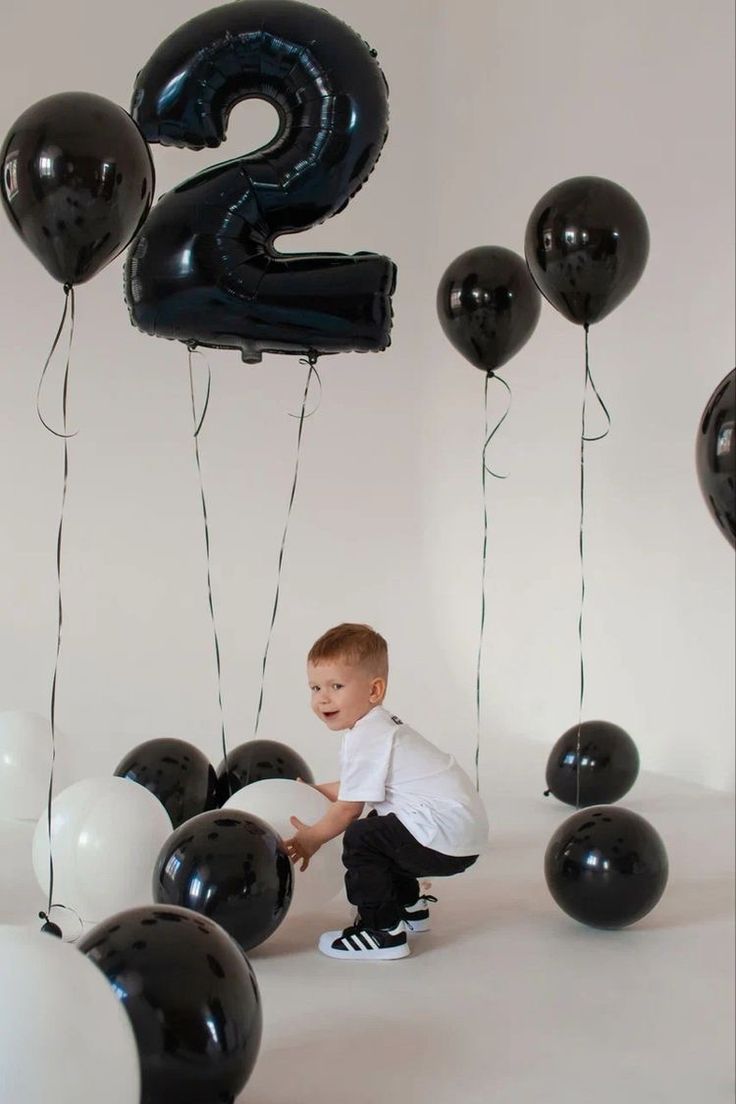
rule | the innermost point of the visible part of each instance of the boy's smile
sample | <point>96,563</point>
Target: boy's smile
<point>342,693</point>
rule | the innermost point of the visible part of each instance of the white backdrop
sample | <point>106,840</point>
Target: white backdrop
<point>491,104</point>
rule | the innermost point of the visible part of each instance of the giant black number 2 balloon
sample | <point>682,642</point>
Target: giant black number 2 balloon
<point>204,269</point>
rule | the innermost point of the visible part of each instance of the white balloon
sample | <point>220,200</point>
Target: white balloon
<point>106,836</point>
<point>64,1035</point>
<point>25,761</point>
<point>275,800</point>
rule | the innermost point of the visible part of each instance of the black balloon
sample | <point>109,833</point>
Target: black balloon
<point>715,456</point>
<point>229,866</point>
<point>205,270</point>
<point>192,999</point>
<point>487,305</point>
<point>256,760</point>
<point>608,763</point>
<point>77,182</point>
<point>587,243</point>
<point>175,772</point>
<point>606,866</point>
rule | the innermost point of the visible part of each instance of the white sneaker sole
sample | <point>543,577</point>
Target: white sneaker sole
<point>383,954</point>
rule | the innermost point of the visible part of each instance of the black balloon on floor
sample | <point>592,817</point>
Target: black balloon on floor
<point>715,456</point>
<point>256,760</point>
<point>192,999</point>
<point>175,772</point>
<point>608,764</point>
<point>606,866</point>
<point>229,866</point>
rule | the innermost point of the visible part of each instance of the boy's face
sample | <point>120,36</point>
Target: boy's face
<point>343,693</point>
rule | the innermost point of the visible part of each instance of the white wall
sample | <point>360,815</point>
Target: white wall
<point>491,104</point>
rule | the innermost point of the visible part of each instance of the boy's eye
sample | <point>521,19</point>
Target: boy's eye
<point>337,686</point>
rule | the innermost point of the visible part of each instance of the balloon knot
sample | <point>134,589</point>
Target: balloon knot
<point>547,793</point>
<point>49,928</point>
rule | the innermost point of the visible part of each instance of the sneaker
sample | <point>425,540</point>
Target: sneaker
<point>361,944</point>
<point>416,916</point>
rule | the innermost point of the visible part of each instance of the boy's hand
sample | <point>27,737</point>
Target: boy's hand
<point>302,845</point>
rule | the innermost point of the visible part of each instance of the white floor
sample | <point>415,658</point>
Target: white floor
<point>507,1000</point>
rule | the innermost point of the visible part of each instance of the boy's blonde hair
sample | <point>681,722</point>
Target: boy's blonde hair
<point>355,644</point>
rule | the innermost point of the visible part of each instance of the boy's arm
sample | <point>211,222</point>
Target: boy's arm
<point>327,789</point>
<point>309,837</point>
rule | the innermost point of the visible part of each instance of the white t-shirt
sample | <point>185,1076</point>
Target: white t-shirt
<point>395,770</point>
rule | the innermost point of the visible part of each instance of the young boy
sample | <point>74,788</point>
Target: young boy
<point>426,818</point>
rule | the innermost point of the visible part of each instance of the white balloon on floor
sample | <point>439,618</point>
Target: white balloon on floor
<point>106,835</point>
<point>64,1035</point>
<point>25,760</point>
<point>275,800</point>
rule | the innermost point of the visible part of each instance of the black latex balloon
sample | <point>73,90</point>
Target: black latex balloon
<point>587,243</point>
<point>175,772</point>
<point>256,760</point>
<point>205,269</point>
<point>230,866</point>
<point>609,764</point>
<point>192,999</point>
<point>715,456</point>
<point>488,305</point>
<point>606,866</point>
<point>77,182</point>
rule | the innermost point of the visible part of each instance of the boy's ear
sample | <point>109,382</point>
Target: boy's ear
<point>378,689</point>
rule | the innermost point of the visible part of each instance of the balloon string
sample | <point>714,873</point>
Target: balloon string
<point>198,423</point>
<point>311,361</point>
<point>485,470</point>
<point>583,439</point>
<point>604,408</point>
<point>316,374</point>
<point>69,307</point>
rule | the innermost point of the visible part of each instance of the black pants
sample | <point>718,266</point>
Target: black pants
<point>383,862</point>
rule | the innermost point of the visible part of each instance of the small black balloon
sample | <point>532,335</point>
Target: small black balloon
<point>487,305</point>
<point>715,456</point>
<point>175,772</point>
<point>77,182</point>
<point>587,243</point>
<point>606,866</point>
<point>192,999</point>
<point>609,764</point>
<point>230,866</point>
<point>258,759</point>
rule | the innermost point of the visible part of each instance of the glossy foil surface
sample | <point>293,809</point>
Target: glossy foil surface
<point>205,269</point>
